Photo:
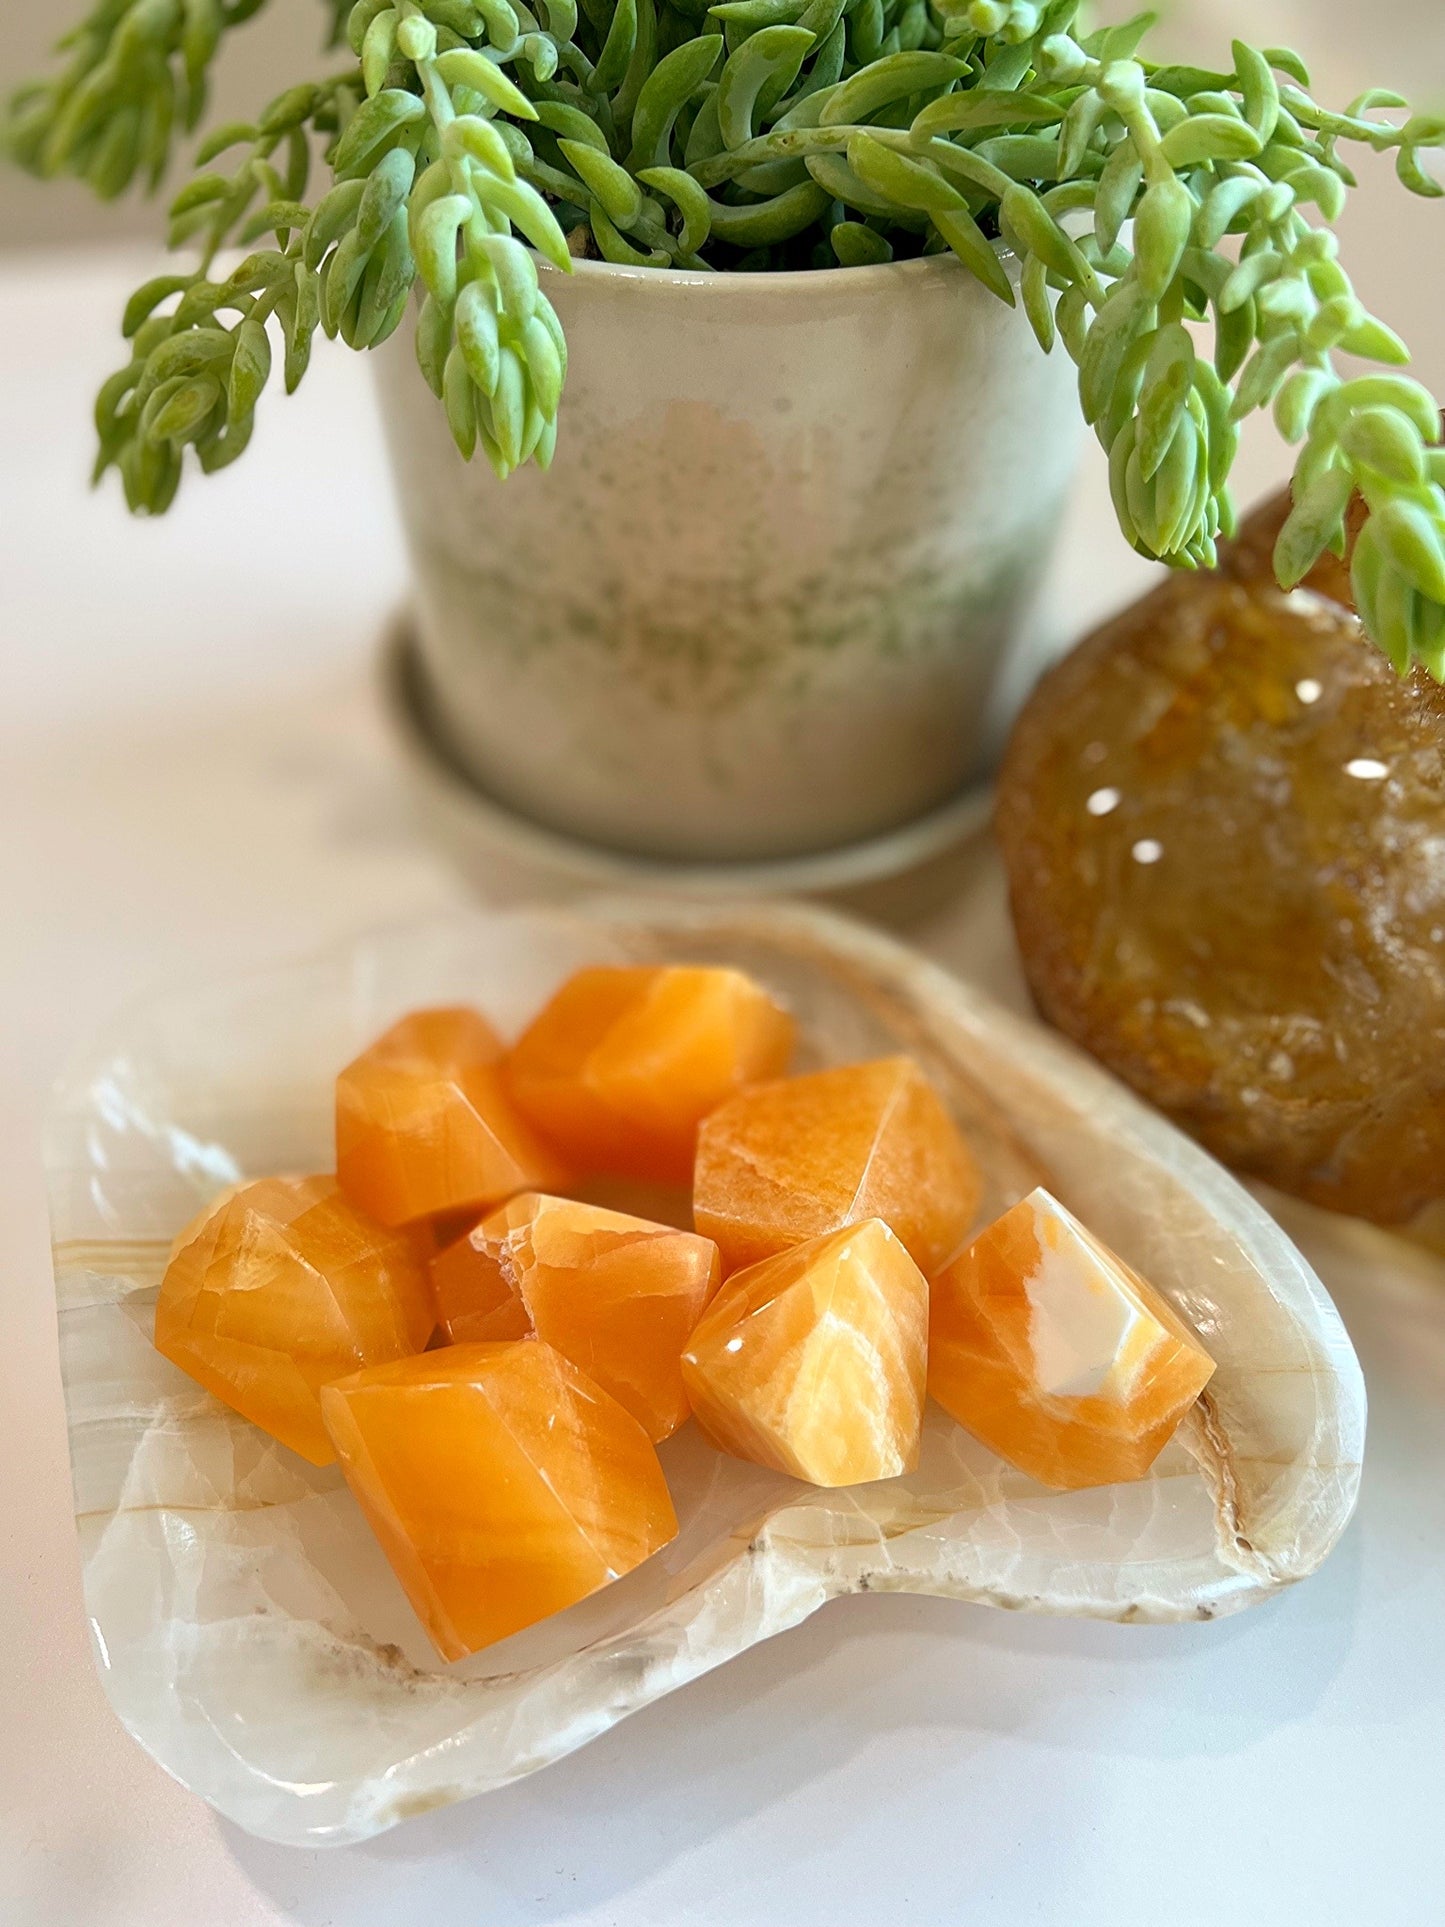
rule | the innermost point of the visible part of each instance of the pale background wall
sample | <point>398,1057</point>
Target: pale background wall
<point>1390,42</point>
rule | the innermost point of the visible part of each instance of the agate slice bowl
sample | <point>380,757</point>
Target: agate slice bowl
<point>248,1630</point>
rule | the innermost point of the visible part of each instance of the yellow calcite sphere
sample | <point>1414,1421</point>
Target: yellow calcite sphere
<point>1223,821</point>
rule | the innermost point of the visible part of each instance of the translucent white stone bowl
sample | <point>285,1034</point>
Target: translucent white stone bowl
<point>247,1628</point>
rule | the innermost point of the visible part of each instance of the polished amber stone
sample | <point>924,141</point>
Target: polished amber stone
<point>813,1362</point>
<point>617,1295</point>
<point>1221,818</point>
<point>793,1159</point>
<point>424,1124</point>
<point>1049,1349</point>
<point>280,1288</point>
<point>502,1484</point>
<point>623,1064</point>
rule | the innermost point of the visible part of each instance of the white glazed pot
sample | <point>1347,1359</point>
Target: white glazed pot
<point>760,603</point>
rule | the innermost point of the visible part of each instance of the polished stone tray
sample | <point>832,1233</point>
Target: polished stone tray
<point>248,1630</point>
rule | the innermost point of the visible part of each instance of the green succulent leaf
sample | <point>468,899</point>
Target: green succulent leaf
<point>459,141</point>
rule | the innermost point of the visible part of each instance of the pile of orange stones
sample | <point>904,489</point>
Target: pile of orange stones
<point>494,1362</point>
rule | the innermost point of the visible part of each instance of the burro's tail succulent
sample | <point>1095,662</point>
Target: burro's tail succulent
<point>1169,227</point>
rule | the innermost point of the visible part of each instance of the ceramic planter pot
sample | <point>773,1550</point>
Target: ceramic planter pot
<point>761,603</point>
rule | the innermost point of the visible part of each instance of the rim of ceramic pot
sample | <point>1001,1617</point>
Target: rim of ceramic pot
<point>874,276</point>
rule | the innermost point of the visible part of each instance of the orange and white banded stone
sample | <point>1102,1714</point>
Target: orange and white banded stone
<point>280,1287</point>
<point>1054,1353</point>
<point>814,1361</point>
<point>790,1160</point>
<point>617,1295</point>
<point>425,1126</point>
<point>502,1484</point>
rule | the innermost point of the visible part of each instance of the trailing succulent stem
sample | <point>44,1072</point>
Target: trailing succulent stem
<point>135,72</point>
<point>1138,201</point>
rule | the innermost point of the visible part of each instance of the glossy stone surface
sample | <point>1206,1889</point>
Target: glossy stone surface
<point>280,1288</point>
<point>813,1362</point>
<point>1223,819</point>
<point>502,1484</point>
<point>332,1718</point>
<point>793,1159</point>
<point>615,1294</point>
<point>622,1065</point>
<point>424,1124</point>
<point>1056,1355</point>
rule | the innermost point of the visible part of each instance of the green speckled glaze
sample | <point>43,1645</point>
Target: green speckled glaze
<point>760,603</point>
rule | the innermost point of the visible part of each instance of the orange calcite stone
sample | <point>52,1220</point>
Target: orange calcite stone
<point>794,1159</point>
<point>476,1301</point>
<point>502,1484</point>
<point>282,1287</point>
<point>814,1361</point>
<point>424,1124</point>
<point>622,1065</point>
<point>616,1295</point>
<point>1049,1349</point>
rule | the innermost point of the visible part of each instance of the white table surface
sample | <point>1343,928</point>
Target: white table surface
<point>193,777</point>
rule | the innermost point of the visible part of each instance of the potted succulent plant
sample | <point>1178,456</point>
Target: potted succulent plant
<point>801,252</point>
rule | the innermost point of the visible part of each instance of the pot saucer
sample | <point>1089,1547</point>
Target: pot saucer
<point>507,856</point>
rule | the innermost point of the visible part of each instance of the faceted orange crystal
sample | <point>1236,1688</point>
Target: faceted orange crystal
<point>616,1295</point>
<point>814,1361</point>
<point>623,1064</point>
<point>1049,1349</point>
<point>502,1484</point>
<point>790,1160</point>
<point>477,1302</point>
<point>282,1287</point>
<point>424,1124</point>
